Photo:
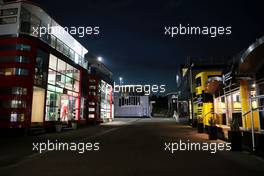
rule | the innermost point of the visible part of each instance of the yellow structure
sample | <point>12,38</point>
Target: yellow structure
<point>201,79</point>
<point>205,107</point>
<point>245,105</point>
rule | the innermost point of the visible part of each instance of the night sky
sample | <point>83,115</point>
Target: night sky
<point>132,40</point>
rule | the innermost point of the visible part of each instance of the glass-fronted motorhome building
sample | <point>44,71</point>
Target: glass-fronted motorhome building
<point>238,104</point>
<point>43,78</point>
<point>240,93</point>
<point>232,99</point>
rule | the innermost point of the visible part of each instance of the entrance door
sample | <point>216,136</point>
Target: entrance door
<point>37,114</point>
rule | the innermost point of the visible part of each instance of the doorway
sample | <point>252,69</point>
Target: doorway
<point>38,102</point>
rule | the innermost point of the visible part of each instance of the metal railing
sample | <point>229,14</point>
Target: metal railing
<point>61,47</point>
<point>251,112</point>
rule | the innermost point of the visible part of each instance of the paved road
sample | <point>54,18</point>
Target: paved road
<point>128,147</point>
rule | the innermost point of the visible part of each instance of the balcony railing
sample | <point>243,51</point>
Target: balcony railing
<point>60,46</point>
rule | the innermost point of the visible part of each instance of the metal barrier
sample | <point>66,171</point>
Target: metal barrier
<point>257,109</point>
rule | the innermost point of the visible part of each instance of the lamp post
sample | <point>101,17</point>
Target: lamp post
<point>120,80</point>
<point>100,59</point>
<point>194,122</point>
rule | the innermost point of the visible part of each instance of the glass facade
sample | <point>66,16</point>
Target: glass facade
<point>228,107</point>
<point>105,92</point>
<point>31,22</point>
<point>63,91</point>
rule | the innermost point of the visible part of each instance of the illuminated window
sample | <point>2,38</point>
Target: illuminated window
<point>91,109</point>
<point>61,66</point>
<point>52,77</point>
<point>53,41</point>
<point>18,59</point>
<point>13,104</point>
<point>51,88</point>
<point>34,24</point>
<point>8,20</point>
<point>59,45</point>
<point>13,71</point>
<point>76,74</point>
<point>53,62</point>
<point>13,90</point>
<point>18,104</point>
<point>76,86</point>
<point>66,50</point>
<point>91,103</point>
<point>70,70</point>
<point>83,108</point>
<point>65,88</point>
<point>52,104</point>
<point>8,12</point>
<point>23,47</point>
<point>92,87</point>
<point>236,97</point>
<point>69,83</point>
<point>19,90</point>
<point>198,82</point>
<point>60,80</point>
<point>91,116</point>
<point>15,117</point>
<point>71,54</point>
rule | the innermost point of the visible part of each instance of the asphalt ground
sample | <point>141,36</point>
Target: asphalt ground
<point>126,147</point>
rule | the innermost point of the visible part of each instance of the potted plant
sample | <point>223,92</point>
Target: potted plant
<point>58,125</point>
<point>200,125</point>
<point>235,135</point>
<point>212,132</point>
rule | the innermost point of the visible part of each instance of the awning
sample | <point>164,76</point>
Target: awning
<point>212,84</point>
<point>252,60</point>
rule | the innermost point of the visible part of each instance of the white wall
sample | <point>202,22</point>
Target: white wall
<point>133,110</point>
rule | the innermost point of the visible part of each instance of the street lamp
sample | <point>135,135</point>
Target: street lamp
<point>120,80</point>
<point>177,79</point>
<point>100,59</point>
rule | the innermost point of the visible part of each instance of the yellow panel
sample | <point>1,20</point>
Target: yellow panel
<point>245,105</point>
<point>207,113</point>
